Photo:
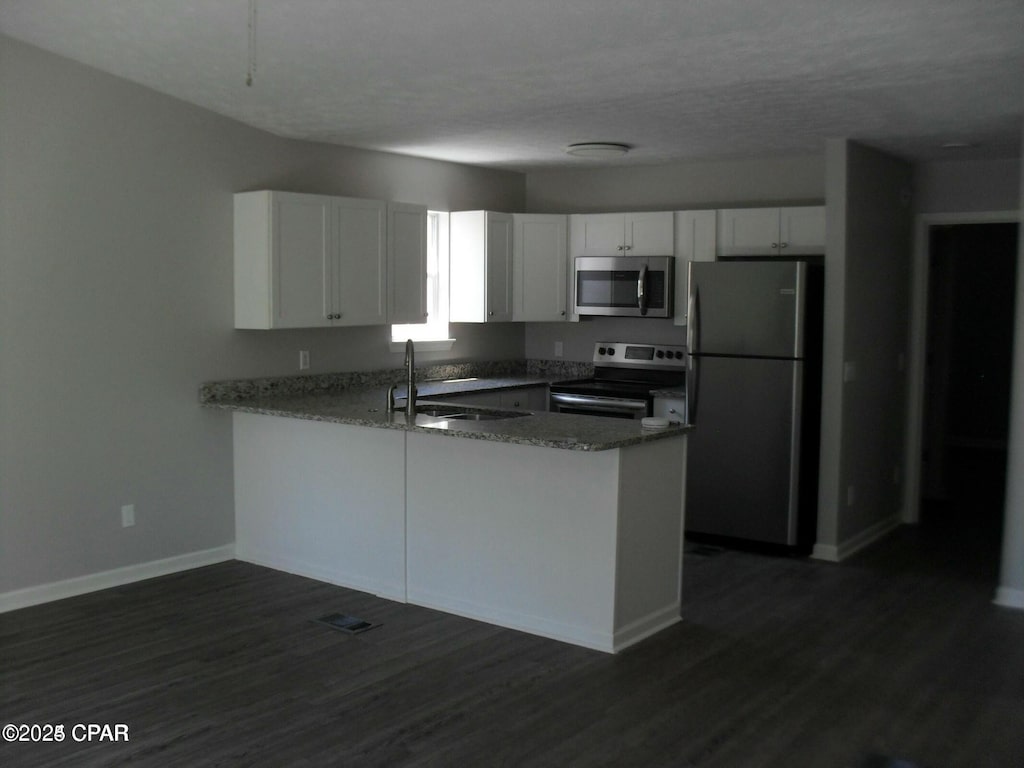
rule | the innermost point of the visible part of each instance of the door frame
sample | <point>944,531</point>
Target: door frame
<point>920,274</point>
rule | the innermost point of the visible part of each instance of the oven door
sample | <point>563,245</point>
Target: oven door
<point>595,405</point>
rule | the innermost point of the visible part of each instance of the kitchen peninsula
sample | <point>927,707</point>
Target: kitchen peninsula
<point>565,526</point>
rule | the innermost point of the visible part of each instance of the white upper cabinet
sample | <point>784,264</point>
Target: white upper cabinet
<point>802,230</point>
<point>306,261</point>
<point>771,231</point>
<point>622,234</point>
<point>407,263</point>
<point>481,267</point>
<point>696,236</point>
<point>362,271</point>
<point>539,267</point>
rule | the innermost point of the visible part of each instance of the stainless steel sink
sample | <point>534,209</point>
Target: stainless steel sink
<point>487,416</point>
<point>445,413</point>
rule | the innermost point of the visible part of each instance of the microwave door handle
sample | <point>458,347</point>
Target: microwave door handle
<point>641,290</point>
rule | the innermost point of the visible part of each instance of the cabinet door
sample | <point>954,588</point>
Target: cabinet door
<point>649,234</point>
<point>499,267</point>
<point>539,267</point>
<point>301,253</point>
<point>407,263</point>
<point>695,239</point>
<point>599,234</point>
<point>671,408</point>
<point>802,230</point>
<point>360,281</point>
<point>748,232</point>
<point>526,399</point>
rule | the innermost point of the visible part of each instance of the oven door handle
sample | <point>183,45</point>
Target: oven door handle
<point>600,403</point>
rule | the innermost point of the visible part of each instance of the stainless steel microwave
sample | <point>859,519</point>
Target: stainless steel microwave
<point>624,286</point>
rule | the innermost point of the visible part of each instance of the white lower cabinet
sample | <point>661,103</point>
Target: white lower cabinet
<point>584,547</point>
<point>510,540</point>
<point>322,500</point>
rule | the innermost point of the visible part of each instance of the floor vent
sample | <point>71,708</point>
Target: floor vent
<point>344,623</point>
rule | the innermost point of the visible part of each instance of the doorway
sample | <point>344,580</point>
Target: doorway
<point>968,359</point>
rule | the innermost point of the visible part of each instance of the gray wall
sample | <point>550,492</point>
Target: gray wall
<point>116,303</point>
<point>963,186</point>
<point>868,260</point>
<point>1011,577</point>
<point>798,180</point>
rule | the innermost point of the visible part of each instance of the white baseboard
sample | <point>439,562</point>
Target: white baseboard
<point>1010,598</point>
<point>838,553</point>
<point>585,636</point>
<point>645,627</point>
<point>330,575</point>
<point>58,590</point>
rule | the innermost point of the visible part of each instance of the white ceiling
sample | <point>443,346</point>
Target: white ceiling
<point>510,83</point>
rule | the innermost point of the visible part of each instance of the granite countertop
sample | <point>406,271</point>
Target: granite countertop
<point>552,430</point>
<point>366,407</point>
<point>360,399</point>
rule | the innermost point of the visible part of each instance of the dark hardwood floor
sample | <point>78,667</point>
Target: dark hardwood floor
<point>897,654</point>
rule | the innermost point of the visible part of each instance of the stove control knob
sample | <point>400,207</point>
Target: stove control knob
<point>679,355</point>
<point>661,353</point>
<point>611,351</point>
<point>601,350</point>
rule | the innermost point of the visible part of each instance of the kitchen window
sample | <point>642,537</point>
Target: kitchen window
<point>433,334</point>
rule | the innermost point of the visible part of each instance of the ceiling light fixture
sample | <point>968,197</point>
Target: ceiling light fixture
<point>597,149</point>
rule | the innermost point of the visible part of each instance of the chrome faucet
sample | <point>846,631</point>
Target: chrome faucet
<point>410,383</point>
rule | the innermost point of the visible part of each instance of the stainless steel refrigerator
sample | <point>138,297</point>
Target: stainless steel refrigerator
<point>754,398</point>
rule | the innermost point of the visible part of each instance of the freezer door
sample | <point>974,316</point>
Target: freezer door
<point>743,468</point>
<point>749,307</point>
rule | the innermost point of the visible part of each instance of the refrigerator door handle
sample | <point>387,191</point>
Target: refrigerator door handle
<point>692,349</point>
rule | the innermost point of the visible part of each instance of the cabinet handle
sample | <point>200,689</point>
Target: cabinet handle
<point>622,248</point>
<point>490,314</point>
<point>784,245</point>
<point>775,245</point>
<point>563,313</point>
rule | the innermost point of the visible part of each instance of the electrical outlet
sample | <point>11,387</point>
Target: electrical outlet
<point>558,349</point>
<point>303,359</point>
<point>127,515</point>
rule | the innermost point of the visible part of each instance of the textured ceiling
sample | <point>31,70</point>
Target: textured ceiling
<point>510,84</point>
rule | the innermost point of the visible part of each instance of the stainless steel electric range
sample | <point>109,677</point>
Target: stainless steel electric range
<point>624,376</point>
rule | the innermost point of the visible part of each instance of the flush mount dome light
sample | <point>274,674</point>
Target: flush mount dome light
<point>597,149</point>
